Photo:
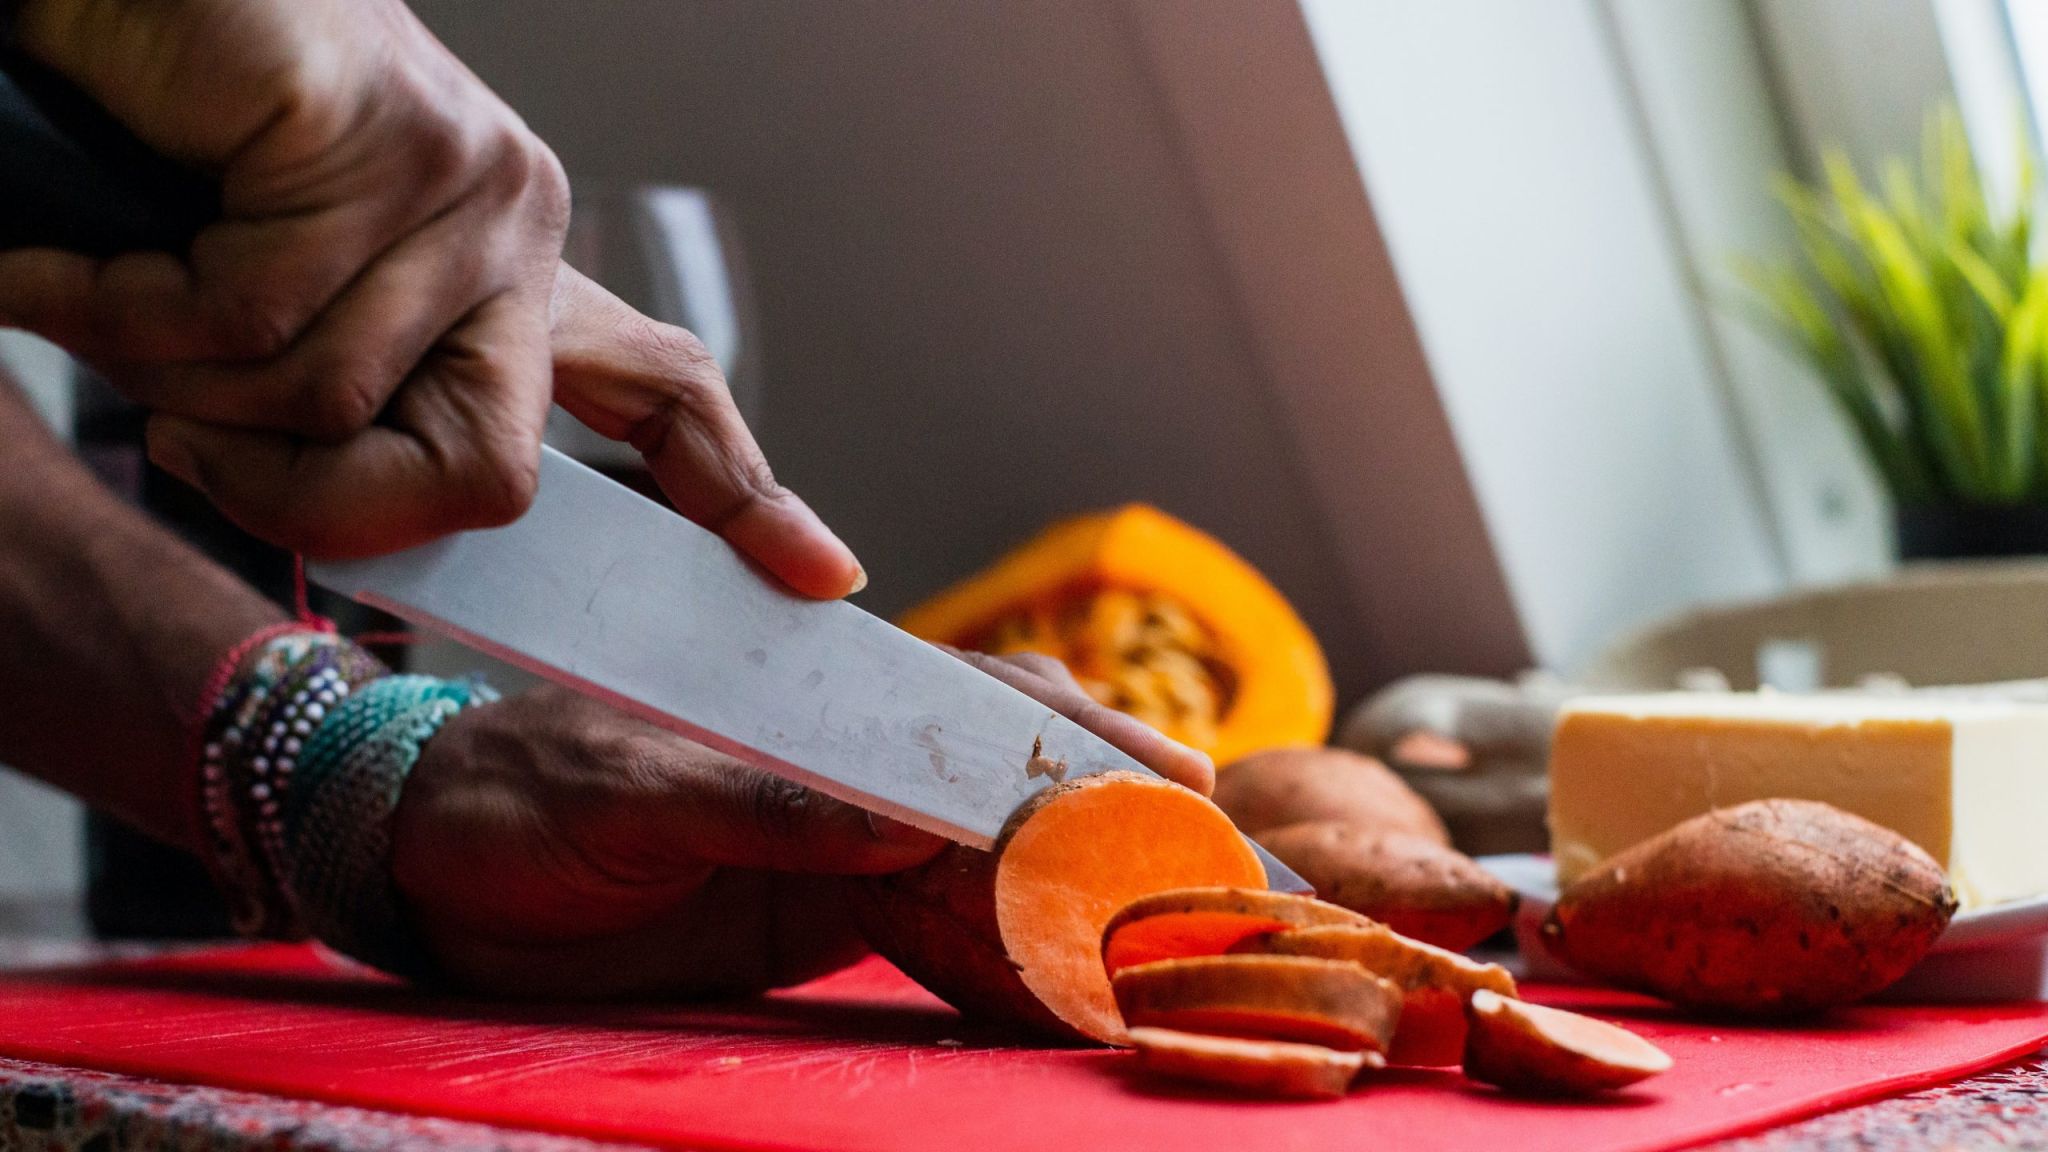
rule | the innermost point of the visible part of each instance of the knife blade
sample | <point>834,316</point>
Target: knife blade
<point>606,592</point>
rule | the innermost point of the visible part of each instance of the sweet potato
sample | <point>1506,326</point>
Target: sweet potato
<point>1771,908</point>
<point>1525,1047</point>
<point>1294,785</point>
<point>1207,922</point>
<point>1264,1067</point>
<point>1333,1003</point>
<point>1015,934</point>
<point>1434,983</point>
<point>1412,884</point>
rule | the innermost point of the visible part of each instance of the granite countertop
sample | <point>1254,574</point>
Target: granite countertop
<point>48,1107</point>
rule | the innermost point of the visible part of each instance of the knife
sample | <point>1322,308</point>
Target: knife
<point>606,592</point>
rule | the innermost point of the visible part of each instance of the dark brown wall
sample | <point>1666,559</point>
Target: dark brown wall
<point>988,292</point>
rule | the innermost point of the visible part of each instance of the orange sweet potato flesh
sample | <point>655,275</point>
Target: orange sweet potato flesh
<point>1334,1003</point>
<point>1529,1048</point>
<point>1015,935</point>
<point>1434,983</point>
<point>1208,922</point>
<point>1295,785</point>
<point>1410,883</point>
<point>1261,1067</point>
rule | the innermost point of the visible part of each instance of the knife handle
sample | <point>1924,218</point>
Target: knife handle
<point>73,177</point>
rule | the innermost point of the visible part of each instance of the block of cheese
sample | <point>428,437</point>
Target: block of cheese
<point>1966,780</point>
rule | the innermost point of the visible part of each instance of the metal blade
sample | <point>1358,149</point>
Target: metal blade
<point>617,597</point>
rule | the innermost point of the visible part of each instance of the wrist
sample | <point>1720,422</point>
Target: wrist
<point>303,757</point>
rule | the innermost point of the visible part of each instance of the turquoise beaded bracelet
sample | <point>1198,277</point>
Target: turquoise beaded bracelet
<point>304,755</point>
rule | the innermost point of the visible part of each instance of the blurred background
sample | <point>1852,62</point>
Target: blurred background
<point>1436,313</point>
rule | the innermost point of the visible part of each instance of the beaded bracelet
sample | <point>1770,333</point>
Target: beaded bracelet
<point>303,755</point>
<point>251,742</point>
<point>338,820</point>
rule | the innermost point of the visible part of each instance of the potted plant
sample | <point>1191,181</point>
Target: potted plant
<point>1924,313</point>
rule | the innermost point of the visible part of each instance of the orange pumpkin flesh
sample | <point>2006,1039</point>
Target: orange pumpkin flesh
<point>1156,619</point>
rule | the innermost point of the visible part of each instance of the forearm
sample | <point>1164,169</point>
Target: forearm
<point>109,629</point>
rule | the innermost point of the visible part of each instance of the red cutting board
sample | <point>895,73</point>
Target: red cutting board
<point>864,1060</point>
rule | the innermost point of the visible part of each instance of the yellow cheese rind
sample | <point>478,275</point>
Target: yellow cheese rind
<point>1967,781</point>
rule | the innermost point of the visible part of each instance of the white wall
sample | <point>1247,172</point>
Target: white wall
<point>1496,146</point>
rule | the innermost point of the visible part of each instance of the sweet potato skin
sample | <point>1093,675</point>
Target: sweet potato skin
<point>1435,983</point>
<point>1768,909</point>
<point>1231,915</point>
<point>937,923</point>
<point>1508,1046</point>
<point>1333,1003</point>
<point>1412,884</point>
<point>1295,785</point>
<point>1260,1067</point>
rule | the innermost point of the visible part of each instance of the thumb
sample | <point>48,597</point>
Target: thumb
<point>656,387</point>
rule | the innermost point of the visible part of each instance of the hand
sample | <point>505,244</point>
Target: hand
<point>550,846</point>
<point>355,357</point>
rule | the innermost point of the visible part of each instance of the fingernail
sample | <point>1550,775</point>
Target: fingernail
<point>885,829</point>
<point>860,580</point>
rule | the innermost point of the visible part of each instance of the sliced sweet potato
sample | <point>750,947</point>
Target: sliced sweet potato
<point>1525,1047</point>
<point>1434,982</point>
<point>1264,1067</point>
<point>1334,1003</point>
<point>1770,908</point>
<point>1295,785</point>
<point>1015,935</point>
<point>1412,884</point>
<point>1208,922</point>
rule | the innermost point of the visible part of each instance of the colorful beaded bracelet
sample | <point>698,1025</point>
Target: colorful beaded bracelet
<point>303,754</point>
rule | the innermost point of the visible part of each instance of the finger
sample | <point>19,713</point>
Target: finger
<point>247,290</point>
<point>1140,741</point>
<point>460,450</point>
<point>1049,668</point>
<point>335,379</point>
<point>656,387</point>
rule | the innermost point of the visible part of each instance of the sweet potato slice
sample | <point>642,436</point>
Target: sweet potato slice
<point>1525,1047</point>
<point>1208,922</point>
<point>1330,1002</point>
<point>1263,1067</point>
<point>1434,982</point>
<point>1414,885</point>
<point>1015,935</point>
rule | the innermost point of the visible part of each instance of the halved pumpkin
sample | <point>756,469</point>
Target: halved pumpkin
<point>1157,619</point>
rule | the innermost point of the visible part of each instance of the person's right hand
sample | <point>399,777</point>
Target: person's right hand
<point>356,356</point>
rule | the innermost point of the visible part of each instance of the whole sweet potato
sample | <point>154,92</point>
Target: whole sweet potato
<point>1414,885</point>
<point>1295,785</point>
<point>1771,908</point>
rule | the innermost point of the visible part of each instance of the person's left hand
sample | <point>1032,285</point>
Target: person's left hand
<point>550,846</point>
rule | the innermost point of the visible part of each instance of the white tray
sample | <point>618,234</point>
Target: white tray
<point>1995,953</point>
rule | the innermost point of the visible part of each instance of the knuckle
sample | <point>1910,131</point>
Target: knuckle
<point>502,483</point>
<point>779,809</point>
<point>440,155</point>
<point>694,365</point>
<point>255,324</point>
<point>343,401</point>
<point>1048,668</point>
